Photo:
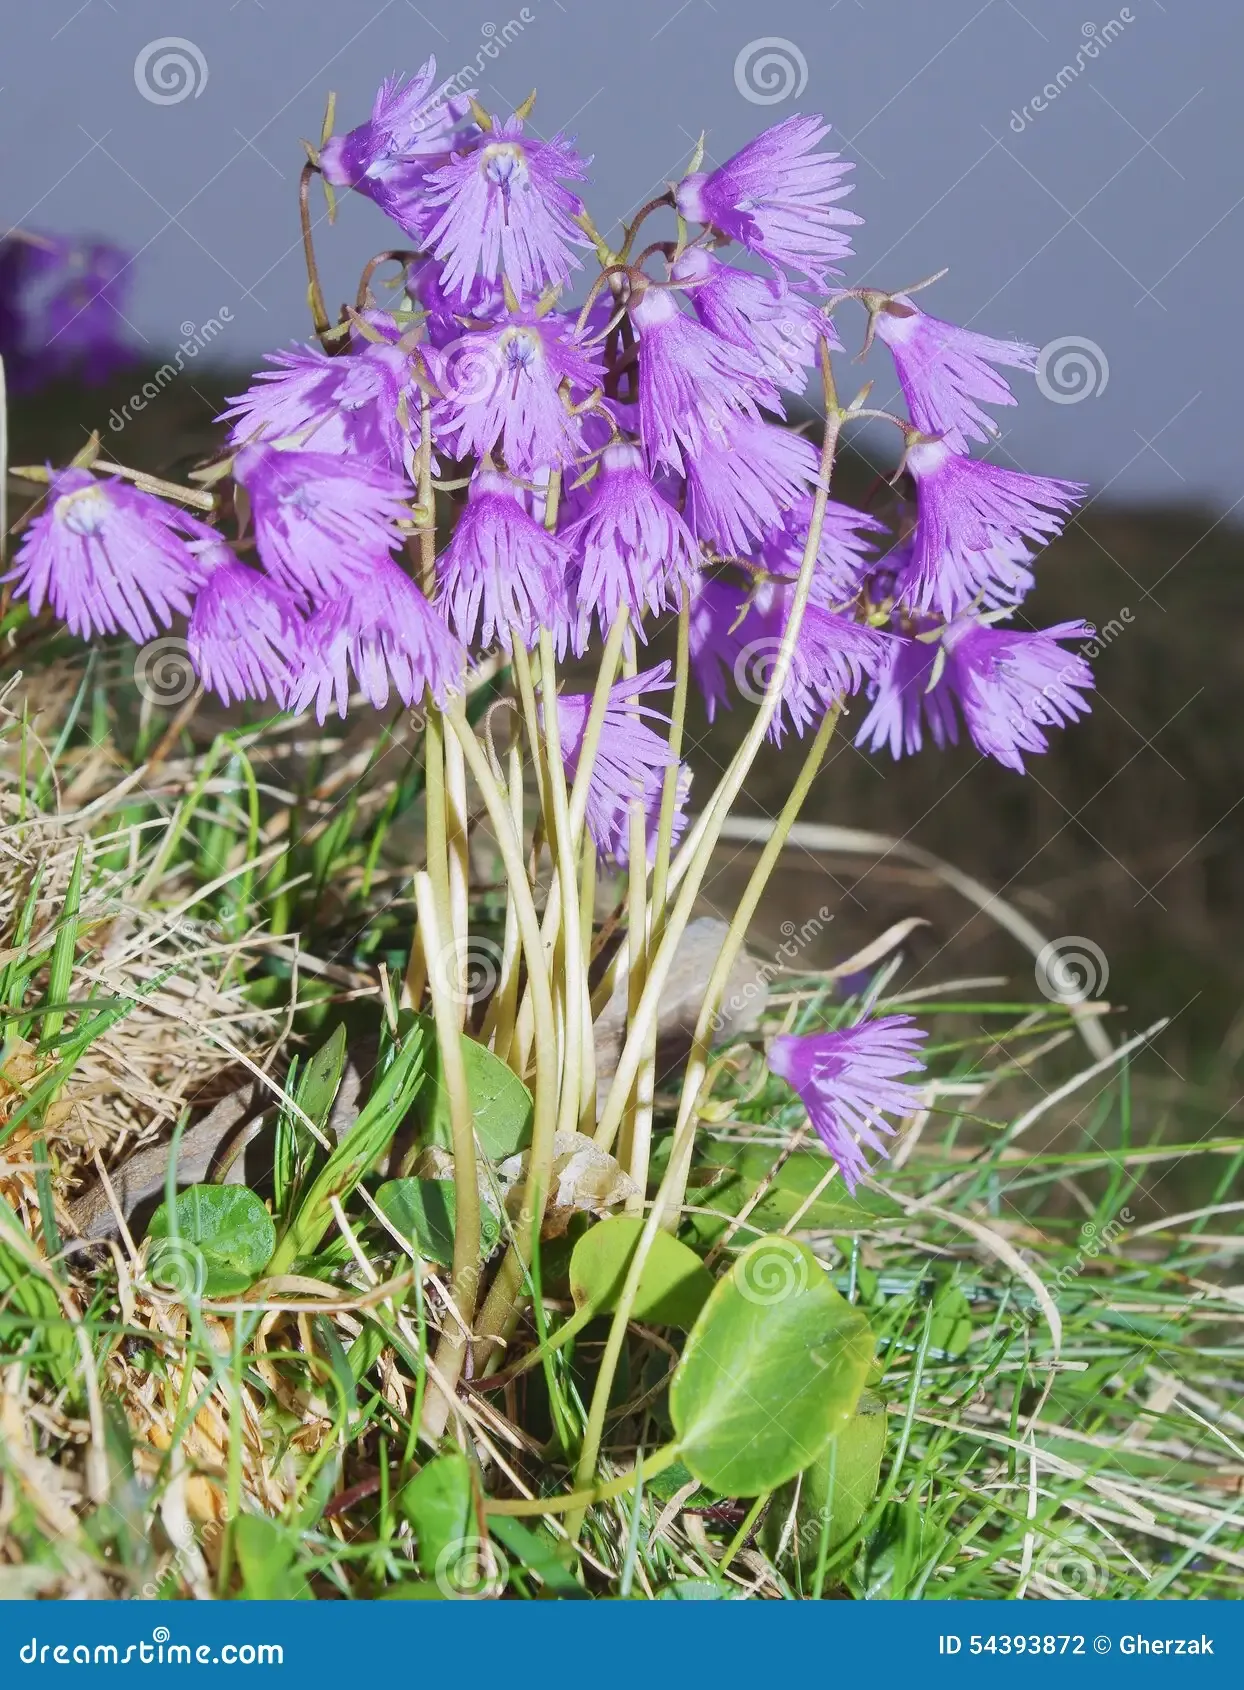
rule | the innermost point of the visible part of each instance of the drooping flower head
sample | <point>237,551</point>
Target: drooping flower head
<point>633,549</point>
<point>849,1082</point>
<point>630,762</point>
<point>448,315</point>
<point>108,557</point>
<point>321,521</point>
<point>759,313</point>
<point>502,571</point>
<point>364,403</point>
<point>740,634</point>
<point>1010,685</point>
<point>387,632</point>
<point>905,702</point>
<point>844,555</point>
<point>502,209</point>
<point>778,198</point>
<point>502,387</point>
<point>244,638</point>
<point>944,371</point>
<point>973,518</point>
<point>741,481</point>
<point>412,129</point>
<point>692,384</point>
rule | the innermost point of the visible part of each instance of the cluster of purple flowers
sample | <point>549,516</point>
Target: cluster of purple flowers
<point>61,309</point>
<point>621,459</point>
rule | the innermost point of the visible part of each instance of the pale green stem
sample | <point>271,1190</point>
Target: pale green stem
<point>436,829</point>
<point>458,877</point>
<point>504,1298</point>
<point>587,916</point>
<point>464,1282</point>
<point>499,1024</point>
<point>728,790</point>
<point>697,1062</point>
<point>571,947</point>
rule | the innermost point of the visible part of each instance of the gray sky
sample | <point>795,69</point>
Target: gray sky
<point>1113,217</point>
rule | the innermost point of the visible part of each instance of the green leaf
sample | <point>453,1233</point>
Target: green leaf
<point>222,1240</point>
<point>733,1174</point>
<point>426,1212</point>
<point>266,1553</point>
<point>314,1094</point>
<point>360,1148</point>
<point>673,1287</point>
<point>834,1492</point>
<point>951,1330</point>
<point>772,1370</point>
<point>538,1554</point>
<point>500,1102</point>
<point>437,1502</point>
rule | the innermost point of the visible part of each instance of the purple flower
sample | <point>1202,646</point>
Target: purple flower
<point>972,519</point>
<point>502,570</point>
<point>351,404</point>
<point>630,762</point>
<point>107,556</point>
<point>502,384</point>
<point>1011,684</point>
<point>386,631</point>
<point>848,1082</point>
<point>943,370</point>
<point>742,634</point>
<point>245,634</point>
<point>844,556</point>
<point>633,548</point>
<point>506,210</point>
<point>904,703</point>
<point>691,383</point>
<point>777,198</point>
<point>741,481</point>
<point>758,313</point>
<point>447,314</point>
<point>412,129</point>
<point>62,308</point>
<point>321,521</point>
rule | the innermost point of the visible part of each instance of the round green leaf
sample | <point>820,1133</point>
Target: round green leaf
<point>437,1502</point>
<point>834,1493</point>
<point>772,1370</point>
<point>222,1241</point>
<point>673,1287</point>
<point>500,1103</point>
<point>426,1212</point>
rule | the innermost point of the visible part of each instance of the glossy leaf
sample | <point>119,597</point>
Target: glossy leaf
<point>673,1287</point>
<point>219,1241</point>
<point>500,1102</point>
<point>773,1368</point>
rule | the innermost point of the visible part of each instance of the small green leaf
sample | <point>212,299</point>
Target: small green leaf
<point>772,1370</point>
<point>500,1102</point>
<point>673,1287</point>
<point>314,1093</point>
<point>833,1494</point>
<point>266,1553</point>
<point>425,1211</point>
<point>538,1554</point>
<point>321,1077</point>
<point>437,1502</point>
<point>222,1241</point>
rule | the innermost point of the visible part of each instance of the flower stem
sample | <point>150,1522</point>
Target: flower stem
<point>697,1062</point>
<point>315,293</point>
<point>464,1282</point>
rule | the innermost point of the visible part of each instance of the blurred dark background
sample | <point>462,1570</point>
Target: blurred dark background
<point>1107,217</point>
